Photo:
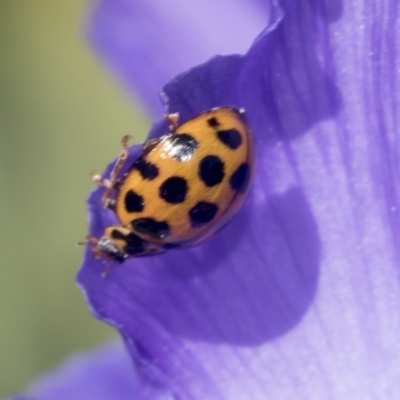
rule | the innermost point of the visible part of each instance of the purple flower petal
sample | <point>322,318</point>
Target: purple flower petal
<point>106,373</point>
<point>298,297</point>
<point>158,40</point>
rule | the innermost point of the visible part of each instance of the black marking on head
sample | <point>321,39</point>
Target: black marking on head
<point>147,169</point>
<point>183,147</point>
<point>173,190</point>
<point>133,202</point>
<point>202,213</point>
<point>151,227</point>
<point>230,137</point>
<point>211,170</point>
<point>134,244</point>
<point>240,178</point>
<point>116,234</point>
<point>213,122</point>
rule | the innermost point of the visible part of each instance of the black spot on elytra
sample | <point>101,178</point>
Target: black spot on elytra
<point>173,190</point>
<point>211,170</point>
<point>213,122</point>
<point>183,146</point>
<point>202,213</point>
<point>240,178</point>
<point>230,137</point>
<point>133,202</point>
<point>134,244</point>
<point>151,227</point>
<point>147,169</point>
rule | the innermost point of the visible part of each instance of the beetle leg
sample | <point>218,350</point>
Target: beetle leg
<point>112,183</point>
<point>91,240</point>
<point>173,120</point>
<point>148,146</point>
<point>106,270</point>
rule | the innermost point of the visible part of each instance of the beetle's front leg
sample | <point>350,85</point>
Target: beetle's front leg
<point>113,182</point>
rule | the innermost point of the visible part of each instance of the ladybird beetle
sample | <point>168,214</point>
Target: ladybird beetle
<point>185,186</point>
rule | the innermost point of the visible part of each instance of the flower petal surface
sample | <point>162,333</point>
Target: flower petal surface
<point>299,296</point>
<point>106,373</point>
<point>157,40</point>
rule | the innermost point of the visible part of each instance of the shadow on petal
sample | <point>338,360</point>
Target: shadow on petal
<point>250,284</point>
